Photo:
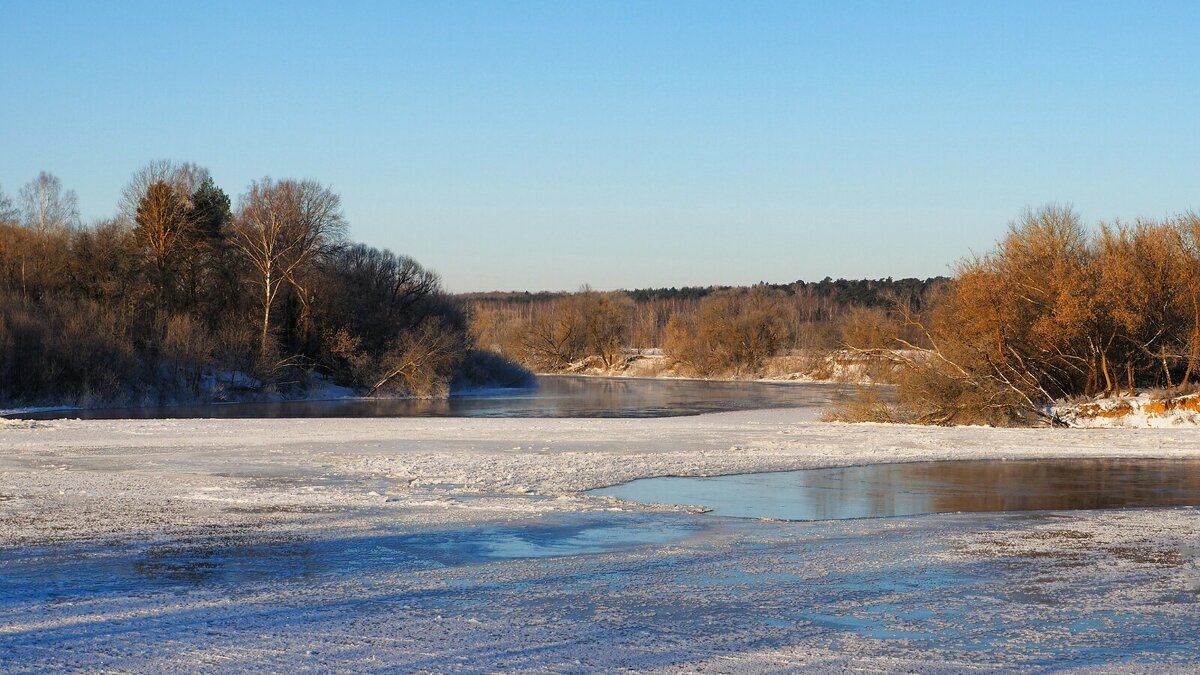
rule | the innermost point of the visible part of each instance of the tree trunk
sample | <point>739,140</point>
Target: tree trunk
<point>304,325</point>
<point>1108,383</point>
<point>1195,341</point>
<point>266,322</point>
<point>161,263</point>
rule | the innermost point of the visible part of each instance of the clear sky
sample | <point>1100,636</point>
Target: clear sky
<point>545,145</point>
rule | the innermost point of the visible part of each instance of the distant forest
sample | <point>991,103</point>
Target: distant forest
<point>838,292</point>
<point>185,294</point>
<point>707,331</point>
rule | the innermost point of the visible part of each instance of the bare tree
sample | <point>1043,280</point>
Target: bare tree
<point>373,293</point>
<point>46,206</point>
<point>577,329</point>
<point>281,227</point>
<point>422,359</point>
<point>184,178</point>
<point>8,212</point>
<point>49,215</point>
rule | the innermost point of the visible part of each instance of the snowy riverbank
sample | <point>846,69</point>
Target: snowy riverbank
<point>147,496</point>
<point>807,366</point>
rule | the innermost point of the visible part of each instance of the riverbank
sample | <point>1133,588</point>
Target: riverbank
<point>1161,410</point>
<point>223,543</point>
<point>228,388</point>
<point>321,402</point>
<point>813,366</point>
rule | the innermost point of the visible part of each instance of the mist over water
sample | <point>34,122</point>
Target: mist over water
<point>554,396</point>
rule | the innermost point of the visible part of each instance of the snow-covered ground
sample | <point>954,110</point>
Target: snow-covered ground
<point>1139,411</point>
<point>434,544</point>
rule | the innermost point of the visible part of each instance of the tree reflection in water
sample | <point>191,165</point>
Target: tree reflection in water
<point>882,490</point>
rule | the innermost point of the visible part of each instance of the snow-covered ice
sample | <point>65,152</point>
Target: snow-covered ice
<point>437,544</point>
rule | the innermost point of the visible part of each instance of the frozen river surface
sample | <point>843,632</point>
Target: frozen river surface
<point>658,592</point>
<point>473,545</point>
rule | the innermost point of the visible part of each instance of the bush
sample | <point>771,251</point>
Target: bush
<point>732,332</point>
<point>420,362</point>
<point>55,351</point>
<point>868,328</point>
<point>568,330</point>
<point>1058,312</point>
<point>187,351</point>
<point>868,404</point>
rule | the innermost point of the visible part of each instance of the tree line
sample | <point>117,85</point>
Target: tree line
<point>186,294</point>
<point>710,332</point>
<point>834,293</point>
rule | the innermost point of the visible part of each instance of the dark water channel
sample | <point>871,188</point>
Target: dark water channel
<point>883,490</point>
<point>554,396</point>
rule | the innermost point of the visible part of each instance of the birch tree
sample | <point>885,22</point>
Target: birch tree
<point>280,228</point>
<point>49,213</point>
<point>8,212</point>
<point>46,206</point>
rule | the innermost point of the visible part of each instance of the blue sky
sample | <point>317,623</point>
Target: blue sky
<point>545,145</point>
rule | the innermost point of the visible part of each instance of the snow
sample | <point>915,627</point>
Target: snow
<point>1140,411</point>
<point>32,409</point>
<point>355,544</point>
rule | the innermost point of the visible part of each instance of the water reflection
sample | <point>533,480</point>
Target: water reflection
<point>882,490</point>
<point>555,396</point>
